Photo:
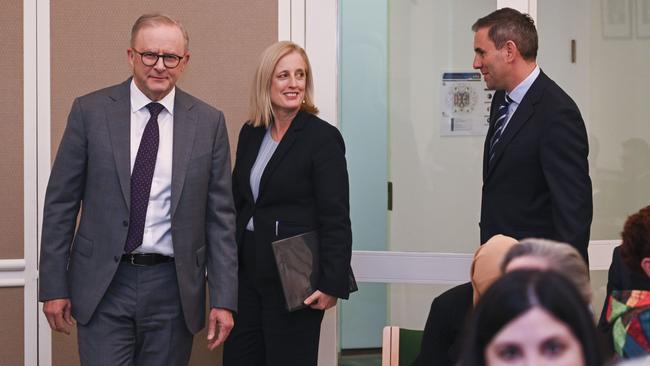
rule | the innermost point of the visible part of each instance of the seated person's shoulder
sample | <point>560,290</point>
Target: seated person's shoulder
<point>458,296</point>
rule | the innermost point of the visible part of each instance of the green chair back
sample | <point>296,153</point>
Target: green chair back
<point>409,345</point>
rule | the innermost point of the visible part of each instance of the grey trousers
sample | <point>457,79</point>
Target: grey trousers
<point>139,321</point>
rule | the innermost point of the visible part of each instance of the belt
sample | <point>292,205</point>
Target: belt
<point>146,259</point>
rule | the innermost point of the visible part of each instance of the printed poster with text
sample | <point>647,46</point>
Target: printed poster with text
<point>465,104</point>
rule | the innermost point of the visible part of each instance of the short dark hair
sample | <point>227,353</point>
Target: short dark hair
<point>519,291</point>
<point>636,240</point>
<point>507,24</point>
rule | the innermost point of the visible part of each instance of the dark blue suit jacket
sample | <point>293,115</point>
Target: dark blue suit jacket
<point>538,184</point>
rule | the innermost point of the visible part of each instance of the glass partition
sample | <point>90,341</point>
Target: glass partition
<point>393,58</point>
<point>605,76</point>
<point>393,55</point>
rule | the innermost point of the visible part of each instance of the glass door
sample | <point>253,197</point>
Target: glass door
<point>392,58</point>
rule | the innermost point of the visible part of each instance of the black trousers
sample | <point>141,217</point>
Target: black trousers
<point>265,333</point>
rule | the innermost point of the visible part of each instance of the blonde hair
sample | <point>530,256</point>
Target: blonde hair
<point>561,258</point>
<point>154,20</point>
<point>260,111</point>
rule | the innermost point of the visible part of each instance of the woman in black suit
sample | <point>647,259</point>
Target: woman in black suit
<point>290,177</point>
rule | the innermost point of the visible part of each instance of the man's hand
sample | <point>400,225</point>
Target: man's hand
<point>320,301</point>
<point>220,323</point>
<point>58,314</point>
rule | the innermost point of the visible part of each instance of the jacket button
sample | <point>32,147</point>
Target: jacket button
<point>125,223</point>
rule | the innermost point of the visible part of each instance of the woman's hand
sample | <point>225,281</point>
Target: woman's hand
<point>320,301</point>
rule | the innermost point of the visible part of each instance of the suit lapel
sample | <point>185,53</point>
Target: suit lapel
<point>522,115</point>
<point>499,96</point>
<point>185,121</point>
<point>285,145</point>
<point>118,119</point>
<point>255,142</point>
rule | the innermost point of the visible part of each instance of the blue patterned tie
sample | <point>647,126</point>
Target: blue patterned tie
<point>143,168</point>
<point>499,124</point>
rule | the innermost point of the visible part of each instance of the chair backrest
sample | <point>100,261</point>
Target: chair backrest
<point>400,346</point>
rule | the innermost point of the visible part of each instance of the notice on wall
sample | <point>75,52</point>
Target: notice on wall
<point>465,104</point>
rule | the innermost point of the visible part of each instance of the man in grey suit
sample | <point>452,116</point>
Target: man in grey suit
<point>149,166</point>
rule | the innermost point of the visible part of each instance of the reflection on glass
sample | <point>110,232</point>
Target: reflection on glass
<point>611,92</point>
<point>436,177</point>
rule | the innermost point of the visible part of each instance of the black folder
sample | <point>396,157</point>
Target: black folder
<point>298,265</point>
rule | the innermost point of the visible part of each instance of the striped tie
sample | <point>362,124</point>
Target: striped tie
<point>499,124</point>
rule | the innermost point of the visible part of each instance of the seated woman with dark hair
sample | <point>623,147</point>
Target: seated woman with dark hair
<point>619,278</point>
<point>533,318</point>
<point>628,311</point>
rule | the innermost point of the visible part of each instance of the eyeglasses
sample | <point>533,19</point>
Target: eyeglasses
<point>150,58</point>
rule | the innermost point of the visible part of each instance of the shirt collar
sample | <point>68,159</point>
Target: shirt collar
<point>139,100</point>
<point>517,94</point>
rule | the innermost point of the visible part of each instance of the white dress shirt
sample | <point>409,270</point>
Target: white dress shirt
<point>518,93</point>
<point>157,236</point>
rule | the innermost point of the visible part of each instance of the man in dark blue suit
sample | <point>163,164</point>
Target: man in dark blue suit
<point>535,171</point>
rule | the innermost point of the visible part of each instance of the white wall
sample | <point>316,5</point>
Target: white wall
<point>619,126</point>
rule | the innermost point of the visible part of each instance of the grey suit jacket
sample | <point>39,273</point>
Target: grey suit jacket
<point>92,172</point>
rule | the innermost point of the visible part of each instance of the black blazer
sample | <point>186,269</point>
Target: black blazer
<point>442,340</point>
<point>538,184</point>
<point>303,187</point>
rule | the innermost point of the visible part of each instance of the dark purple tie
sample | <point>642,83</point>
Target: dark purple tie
<point>145,164</point>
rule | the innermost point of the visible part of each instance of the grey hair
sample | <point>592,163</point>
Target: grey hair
<point>561,258</point>
<point>156,19</point>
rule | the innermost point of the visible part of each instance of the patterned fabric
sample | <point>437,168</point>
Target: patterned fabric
<point>499,124</point>
<point>145,164</point>
<point>629,314</point>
